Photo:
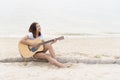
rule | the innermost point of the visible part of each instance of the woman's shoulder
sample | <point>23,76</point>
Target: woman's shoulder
<point>30,35</point>
<point>41,37</point>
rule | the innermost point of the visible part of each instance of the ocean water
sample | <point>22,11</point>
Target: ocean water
<point>71,18</point>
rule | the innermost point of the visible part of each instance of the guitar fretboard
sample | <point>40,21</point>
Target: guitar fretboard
<point>59,38</point>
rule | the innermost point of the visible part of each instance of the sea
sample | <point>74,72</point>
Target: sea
<point>69,18</point>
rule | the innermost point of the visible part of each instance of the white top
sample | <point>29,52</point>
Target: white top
<point>30,35</point>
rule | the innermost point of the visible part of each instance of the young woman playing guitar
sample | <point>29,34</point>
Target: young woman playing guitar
<point>35,32</point>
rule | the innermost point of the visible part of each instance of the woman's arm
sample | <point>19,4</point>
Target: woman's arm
<point>24,41</point>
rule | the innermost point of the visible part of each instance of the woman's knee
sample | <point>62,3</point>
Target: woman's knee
<point>47,46</point>
<point>47,56</point>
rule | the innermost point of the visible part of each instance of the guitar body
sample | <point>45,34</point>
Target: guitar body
<point>27,51</point>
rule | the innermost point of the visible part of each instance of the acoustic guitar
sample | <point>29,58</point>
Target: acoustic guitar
<point>28,51</point>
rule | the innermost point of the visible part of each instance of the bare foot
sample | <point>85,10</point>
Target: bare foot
<point>69,65</point>
<point>66,65</point>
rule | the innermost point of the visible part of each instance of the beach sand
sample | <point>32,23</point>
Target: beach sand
<point>77,48</point>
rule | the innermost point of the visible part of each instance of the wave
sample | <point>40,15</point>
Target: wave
<point>69,35</point>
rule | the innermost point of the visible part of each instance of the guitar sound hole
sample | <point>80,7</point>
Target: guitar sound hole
<point>32,48</point>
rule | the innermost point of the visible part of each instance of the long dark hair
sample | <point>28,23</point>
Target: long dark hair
<point>33,29</point>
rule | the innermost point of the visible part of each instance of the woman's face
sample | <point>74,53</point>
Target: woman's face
<point>38,28</point>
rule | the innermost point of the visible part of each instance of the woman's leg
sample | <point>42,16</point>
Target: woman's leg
<point>49,58</point>
<point>51,50</point>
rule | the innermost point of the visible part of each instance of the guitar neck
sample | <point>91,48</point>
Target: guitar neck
<point>59,38</point>
<point>48,41</point>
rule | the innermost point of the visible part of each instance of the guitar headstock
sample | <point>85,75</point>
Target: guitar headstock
<point>60,38</point>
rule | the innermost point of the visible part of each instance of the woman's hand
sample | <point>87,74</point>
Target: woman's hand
<point>34,45</point>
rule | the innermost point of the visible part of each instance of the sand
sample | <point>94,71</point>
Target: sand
<point>77,48</point>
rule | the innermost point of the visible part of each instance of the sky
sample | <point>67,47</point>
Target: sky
<point>67,15</point>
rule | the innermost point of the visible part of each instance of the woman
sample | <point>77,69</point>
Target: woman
<point>35,32</point>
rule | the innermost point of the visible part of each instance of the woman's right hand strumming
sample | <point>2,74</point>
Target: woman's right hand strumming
<point>34,45</point>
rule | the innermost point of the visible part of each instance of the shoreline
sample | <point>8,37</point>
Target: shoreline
<point>68,35</point>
